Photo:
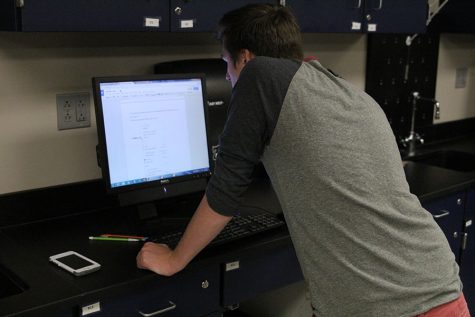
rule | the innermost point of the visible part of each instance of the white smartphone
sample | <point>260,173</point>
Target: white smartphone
<point>75,263</point>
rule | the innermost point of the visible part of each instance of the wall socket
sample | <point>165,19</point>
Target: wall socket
<point>73,110</point>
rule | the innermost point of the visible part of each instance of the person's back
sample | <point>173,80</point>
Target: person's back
<point>366,246</point>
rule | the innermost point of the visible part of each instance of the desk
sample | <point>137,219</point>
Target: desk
<point>36,225</point>
<point>204,288</point>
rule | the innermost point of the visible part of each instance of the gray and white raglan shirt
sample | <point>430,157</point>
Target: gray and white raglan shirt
<point>364,243</point>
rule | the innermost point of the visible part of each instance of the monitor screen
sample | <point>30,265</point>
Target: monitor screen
<point>152,135</point>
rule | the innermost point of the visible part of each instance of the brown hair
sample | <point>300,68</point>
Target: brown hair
<point>263,29</point>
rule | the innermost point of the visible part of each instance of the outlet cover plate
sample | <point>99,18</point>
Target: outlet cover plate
<point>73,110</point>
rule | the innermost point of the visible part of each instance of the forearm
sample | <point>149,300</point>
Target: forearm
<point>204,226</point>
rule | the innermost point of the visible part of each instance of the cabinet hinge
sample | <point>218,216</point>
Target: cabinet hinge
<point>20,3</point>
<point>464,240</point>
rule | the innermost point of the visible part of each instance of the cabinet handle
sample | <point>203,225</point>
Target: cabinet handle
<point>178,11</point>
<point>351,4</point>
<point>443,214</point>
<point>380,6</point>
<point>464,240</point>
<point>161,311</point>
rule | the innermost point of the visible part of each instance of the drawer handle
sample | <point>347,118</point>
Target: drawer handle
<point>161,311</point>
<point>443,214</point>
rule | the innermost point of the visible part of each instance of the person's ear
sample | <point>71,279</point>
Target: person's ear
<point>246,55</point>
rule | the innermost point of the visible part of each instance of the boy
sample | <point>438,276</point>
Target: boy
<point>364,243</point>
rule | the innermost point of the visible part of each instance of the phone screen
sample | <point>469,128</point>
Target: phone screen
<point>74,261</point>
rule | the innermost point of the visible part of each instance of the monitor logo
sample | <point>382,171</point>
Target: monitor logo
<point>215,103</point>
<point>164,181</point>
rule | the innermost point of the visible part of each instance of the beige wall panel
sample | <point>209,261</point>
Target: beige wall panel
<point>34,67</point>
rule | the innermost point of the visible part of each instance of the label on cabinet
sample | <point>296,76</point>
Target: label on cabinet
<point>231,266</point>
<point>90,309</point>
<point>152,22</point>
<point>356,26</point>
<point>186,24</point>
<point>372,27</point>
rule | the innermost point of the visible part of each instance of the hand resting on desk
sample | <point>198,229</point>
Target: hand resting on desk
<point>157,258</point>
<point>204,226</point>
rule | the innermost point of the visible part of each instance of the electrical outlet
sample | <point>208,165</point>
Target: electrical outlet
<point>82,109</point>
<point>73,110</point>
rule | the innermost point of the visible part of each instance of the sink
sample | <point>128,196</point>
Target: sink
<point>10,284</point>
<point>453,160</point>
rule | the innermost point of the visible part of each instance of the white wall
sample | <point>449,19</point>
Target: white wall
<point>34,67</point>
<point>456,51</point>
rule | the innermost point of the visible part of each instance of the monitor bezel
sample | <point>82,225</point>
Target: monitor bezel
<point>148,187</point>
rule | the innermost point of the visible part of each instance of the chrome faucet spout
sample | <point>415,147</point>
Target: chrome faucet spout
<point>414,138</point>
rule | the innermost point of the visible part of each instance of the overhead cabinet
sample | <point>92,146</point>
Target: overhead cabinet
<point>115,15</point>
<point>457,16</point>
<point>383,16</point>
<point>84,15</point>
<point>203,15</point>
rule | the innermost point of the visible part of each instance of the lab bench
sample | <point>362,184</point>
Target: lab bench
<point>40,223</point>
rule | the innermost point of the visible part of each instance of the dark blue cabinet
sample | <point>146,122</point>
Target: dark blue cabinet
<point>383,16</point>
<point>192,292</point>
<point>467,257</point>
<point>456,17</point>
<point>395,16</point>
<point>203,15</point>
<point>387,16</point>
<point>244,277</point>
<point>448,212</point>
<point>85,15</point>
<point>327,15</point>
<point>455,214</point>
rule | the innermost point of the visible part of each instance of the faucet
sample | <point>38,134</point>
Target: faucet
<point>414,138</point>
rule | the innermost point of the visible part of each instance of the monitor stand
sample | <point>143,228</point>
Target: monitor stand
<point>147,211</point>
<point>172,214</point>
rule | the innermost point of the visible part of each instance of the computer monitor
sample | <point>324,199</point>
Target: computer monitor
<point>152,131</point>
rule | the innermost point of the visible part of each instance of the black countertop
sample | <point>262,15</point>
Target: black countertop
<point>25,249</point>
<point>429,182</point>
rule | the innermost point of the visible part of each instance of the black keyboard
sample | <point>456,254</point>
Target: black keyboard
<point>239,227</point>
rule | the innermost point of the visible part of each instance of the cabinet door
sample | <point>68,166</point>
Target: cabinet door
<point>467,257</point>
<point>192,292</point>
<point>8,18</point>
<point>384,16</point>
<point>455,17</point>
<point>328,15</point>
<point>252,274</point>
<point>448,213</point>
<point>395,16</point>
<point>93,15</point>
<point>203,15</point>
